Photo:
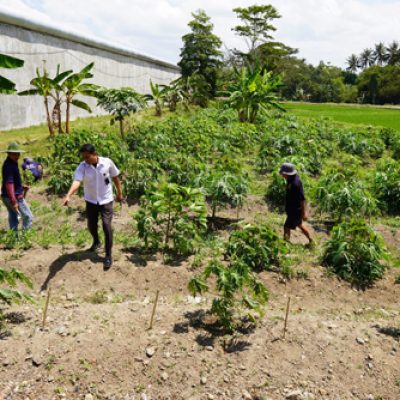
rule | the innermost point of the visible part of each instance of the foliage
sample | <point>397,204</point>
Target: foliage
<point>355,252</point>
<point>7,86</point>
<point>120,103</point>
<point>253,91</point>
<point>258,246</point>
<point>65,157</point>
<point>222,188</point>
<point>238,289</point>
<point>171,218</point>
<point>9,279</point>
<point>386,186</point>
<point>158,96</point>
<point>257,26</point>
<point>276,192</point>
<point>342,196</point>
<point>201,53</point>
<point>63,88</point>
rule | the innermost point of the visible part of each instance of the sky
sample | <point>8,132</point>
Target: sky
<point>328,30</point>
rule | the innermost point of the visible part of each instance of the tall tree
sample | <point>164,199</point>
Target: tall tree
<point>201,52</point>
<point>256,26</point>
<point>352,63</point>
<point>393,53</point>
<point>367,58</point>
<point>380,53</point>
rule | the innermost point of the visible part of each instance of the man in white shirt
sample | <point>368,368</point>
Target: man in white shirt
<point>97,174</point>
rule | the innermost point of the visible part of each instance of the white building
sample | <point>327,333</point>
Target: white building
<point>38,44</point>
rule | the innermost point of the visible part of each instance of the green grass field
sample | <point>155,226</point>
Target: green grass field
<point>351,113</point>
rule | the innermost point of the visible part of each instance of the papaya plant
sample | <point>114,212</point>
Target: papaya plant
<point>239,293</point>
<point>171,218</point>
<point>223,188</point>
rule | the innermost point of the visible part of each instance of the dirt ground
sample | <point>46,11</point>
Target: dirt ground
<point>340,343</point>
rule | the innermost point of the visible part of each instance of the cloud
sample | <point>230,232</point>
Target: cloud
<point>328,30</point>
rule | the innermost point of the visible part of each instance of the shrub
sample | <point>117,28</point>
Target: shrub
<point>65,157</point>
<point>223,188</point>
<point>258,246</point>
<point>387,186</point>
<point>355,252</point>
<point>10,278</point>
<point>340,197</point>
<point>238,290</point>
<point>171,218</point>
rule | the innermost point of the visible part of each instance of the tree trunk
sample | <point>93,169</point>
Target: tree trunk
<point>158,109</point>
<point>59,116</point>
<point>49,121</point>
<point>67,115</point>
<point>121,128</point>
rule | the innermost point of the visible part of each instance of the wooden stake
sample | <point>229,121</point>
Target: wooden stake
<point>46,306</point>
<point>286,317</point>
<point>154,310</point>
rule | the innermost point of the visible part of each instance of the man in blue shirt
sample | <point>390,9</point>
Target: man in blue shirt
<point>295,205</point>
<point>12,190</point>
<point>34,167</point>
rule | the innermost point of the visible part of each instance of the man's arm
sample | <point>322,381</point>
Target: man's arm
<point>117,183</point>
<point>74,187</point>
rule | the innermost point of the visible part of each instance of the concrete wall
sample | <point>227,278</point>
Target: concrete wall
<point>37,44</point>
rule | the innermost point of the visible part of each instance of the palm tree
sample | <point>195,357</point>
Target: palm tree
<point>367,58</point>
<point>393,53</point>
<point>352,63</point>
<point>7,86</point>
<point>380,53</point>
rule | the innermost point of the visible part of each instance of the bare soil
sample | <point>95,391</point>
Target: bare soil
<point>340,343</point>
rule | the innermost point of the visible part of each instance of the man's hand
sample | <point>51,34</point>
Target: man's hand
<point>66,200</point>
<point>16,208</point>
<point>305,217</point>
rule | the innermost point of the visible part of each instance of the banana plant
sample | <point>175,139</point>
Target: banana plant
<point>158,96</point>
<point>7,86</point>
<point>72,86</point>
<point>253,91</point>
<point>49,88</point>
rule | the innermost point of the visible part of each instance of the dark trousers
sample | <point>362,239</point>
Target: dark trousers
<point>106,212</point>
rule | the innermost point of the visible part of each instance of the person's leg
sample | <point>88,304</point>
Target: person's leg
<point>286,233</point>
<point>306,232</point>
<point>106,217</point>
<point>12,215</point>
<point>26,214</point>
<point>92,212</point>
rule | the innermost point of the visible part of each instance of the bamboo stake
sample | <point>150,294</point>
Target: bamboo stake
<point>286,317</point>
<point>154,310</point>
<point>46,306</point>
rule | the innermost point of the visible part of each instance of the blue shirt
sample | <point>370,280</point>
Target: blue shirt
<point>11,174</point>
<point>32,166</point>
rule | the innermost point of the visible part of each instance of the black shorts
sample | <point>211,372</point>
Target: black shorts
<point>293,221</point>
